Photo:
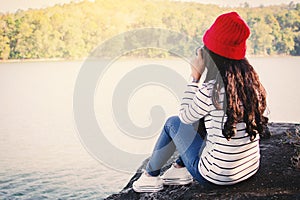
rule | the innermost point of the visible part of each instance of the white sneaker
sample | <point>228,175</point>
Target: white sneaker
<point>148,184</point>
<point>177,176</point>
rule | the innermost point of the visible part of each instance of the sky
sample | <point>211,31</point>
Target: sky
<point>14,5</point>
<point>254,3</point>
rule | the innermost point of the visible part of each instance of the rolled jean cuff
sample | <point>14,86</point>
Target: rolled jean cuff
<point>180,162</point>
<point>152,172</point>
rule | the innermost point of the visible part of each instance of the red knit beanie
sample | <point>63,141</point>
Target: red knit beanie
<point>227,36</point>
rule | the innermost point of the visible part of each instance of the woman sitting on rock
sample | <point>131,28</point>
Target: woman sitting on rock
<point>230,103</point>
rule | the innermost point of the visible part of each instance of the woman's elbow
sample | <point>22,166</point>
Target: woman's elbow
<point>182,118</point>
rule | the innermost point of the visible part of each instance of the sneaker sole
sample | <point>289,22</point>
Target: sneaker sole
<point>147,188</point>
<point>177,181</point>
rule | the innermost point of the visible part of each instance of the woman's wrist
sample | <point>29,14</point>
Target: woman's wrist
<point>195,79</point>
<point>196,76</point>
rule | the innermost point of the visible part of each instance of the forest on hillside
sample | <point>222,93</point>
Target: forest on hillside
<point>72,31</point>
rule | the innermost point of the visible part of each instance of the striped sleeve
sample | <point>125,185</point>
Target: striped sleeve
<point>195,103</point>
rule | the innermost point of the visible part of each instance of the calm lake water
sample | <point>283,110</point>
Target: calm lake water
<point>41,154</point>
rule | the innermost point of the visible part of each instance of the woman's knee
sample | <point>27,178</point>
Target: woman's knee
<point>173,120</point>
<point>173,123</point>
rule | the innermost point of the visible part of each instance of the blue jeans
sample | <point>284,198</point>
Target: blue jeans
<point>180,136</point>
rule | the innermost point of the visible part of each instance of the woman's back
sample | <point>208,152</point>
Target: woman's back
<point>222,161</point>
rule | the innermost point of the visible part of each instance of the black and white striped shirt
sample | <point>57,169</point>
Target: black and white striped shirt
<point>221,162</point>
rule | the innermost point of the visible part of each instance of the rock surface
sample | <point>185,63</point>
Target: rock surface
<point>276,178</point>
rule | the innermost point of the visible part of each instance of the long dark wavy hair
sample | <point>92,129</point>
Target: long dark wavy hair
<point>245,97</point>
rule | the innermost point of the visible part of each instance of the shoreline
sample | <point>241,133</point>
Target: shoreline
<point>39,60</point>
<point>123,58</point>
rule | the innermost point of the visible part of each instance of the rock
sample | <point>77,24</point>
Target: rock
<point>276,178</point>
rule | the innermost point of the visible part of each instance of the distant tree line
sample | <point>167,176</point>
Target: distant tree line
<point>73,30</point>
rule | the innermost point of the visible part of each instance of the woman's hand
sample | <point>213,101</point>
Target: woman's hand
<point>197,65</point>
